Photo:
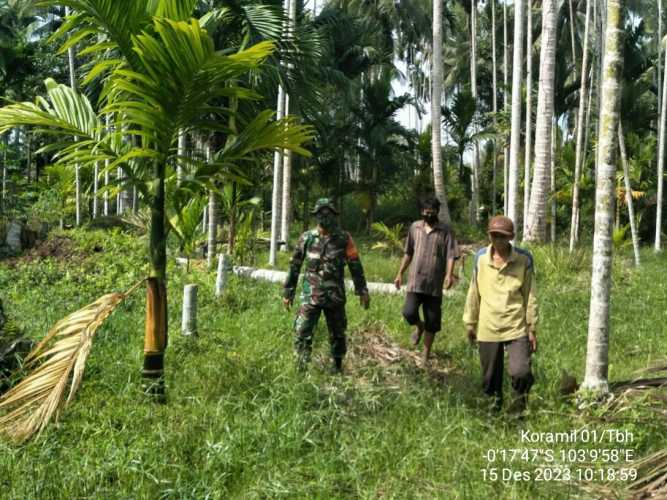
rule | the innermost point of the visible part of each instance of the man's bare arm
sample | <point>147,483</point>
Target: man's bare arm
<point>398,282</point>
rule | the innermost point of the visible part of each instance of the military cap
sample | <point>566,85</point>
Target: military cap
<point>324,203</point>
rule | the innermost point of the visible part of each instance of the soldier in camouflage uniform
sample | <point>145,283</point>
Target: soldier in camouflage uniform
<point>325,249</point>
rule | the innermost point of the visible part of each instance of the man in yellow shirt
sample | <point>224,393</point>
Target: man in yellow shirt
<point>501,313</point>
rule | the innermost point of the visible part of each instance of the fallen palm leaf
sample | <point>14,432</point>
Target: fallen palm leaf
<point>58,360</point>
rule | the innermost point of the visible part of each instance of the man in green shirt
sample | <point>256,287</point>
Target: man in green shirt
<point>501,313</point>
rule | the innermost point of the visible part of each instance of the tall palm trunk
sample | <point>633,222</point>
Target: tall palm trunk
<point>107,120</point>
<point>286,213</point>
<point>579,154</point>
<point>515,138</point>
<point>506,105</point>
<point>529,114</point>
<point>552,172</point>
<point>659,53</point>
<point>276,195</point>
<point>28,153</point>
<point>182,145</point>
<point>494,80</point>
<point>661,166</point>
<point>597,352</point>
<point>155,338</point>
<point>77,173</point>
<point>473,86</point>
<point>286,190</point>
<point>436,115</point>
<point>628,194</point>
<point>5,141</point>
<point>573,29</point>
<point>212,216</point>
<point>536,225</point>
<point>96,174</point>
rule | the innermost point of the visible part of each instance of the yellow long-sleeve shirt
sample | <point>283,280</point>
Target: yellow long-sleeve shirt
<point>501,302</point>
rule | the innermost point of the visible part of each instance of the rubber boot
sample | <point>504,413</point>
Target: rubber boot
<point>337,367</point>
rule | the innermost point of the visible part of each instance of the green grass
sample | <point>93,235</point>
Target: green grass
<point>242,423</point>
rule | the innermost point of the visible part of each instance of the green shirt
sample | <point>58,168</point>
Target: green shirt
<point>501,302</point>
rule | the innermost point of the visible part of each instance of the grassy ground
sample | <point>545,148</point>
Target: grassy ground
<point>242,423</point>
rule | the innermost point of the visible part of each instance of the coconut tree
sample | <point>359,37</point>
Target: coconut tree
<point>529,114</point>
<point>436,113</point>
<point>579,155</point>
<point>536,225</point>
<point>661,165</point>
<point>506,106</point>
<point>473,88</point>
<point>597,351</point>
<point>515,138</point>
<point>494,108</point>
<point>159,51</point>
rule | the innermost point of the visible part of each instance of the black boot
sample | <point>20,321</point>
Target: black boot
<point>337,367</point>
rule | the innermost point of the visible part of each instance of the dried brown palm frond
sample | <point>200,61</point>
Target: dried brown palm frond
<point>58,361</point>
<point>652,481</point>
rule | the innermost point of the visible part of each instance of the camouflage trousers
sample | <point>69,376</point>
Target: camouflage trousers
<point>304,325</point>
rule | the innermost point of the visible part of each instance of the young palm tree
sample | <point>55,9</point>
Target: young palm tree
<point>158,51</point>
<point>597,352</point>
<point>536,224</point>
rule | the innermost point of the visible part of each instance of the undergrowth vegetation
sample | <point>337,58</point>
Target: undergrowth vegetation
<point>242,422</point>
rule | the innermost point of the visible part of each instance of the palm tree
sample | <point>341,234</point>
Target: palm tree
<point>77,168</point>
<point>506,106</point>
<point>494,80</point>
<point>597,352</point>
<point>436,114</point>
<point>661,165</point>
<point>628,194</point>
<point>473,86</point>
<point>515,138</point>
<point>459,120</point>
<point>160,50</point>
<point>579,156</point>
<point>536,225</point>
<point>529,114</point>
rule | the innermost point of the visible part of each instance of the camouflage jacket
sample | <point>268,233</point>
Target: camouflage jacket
<point>325,256</point>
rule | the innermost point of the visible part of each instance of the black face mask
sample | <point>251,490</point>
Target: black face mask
<point>431,219</point>
<point>327,221</point>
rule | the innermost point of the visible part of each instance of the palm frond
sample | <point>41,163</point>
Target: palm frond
<point>65,113</point>
<point>59,361</point>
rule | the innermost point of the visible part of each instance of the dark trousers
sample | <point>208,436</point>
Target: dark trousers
<point>306,321</point>
<point>432,307</point>
<point>492,358</point>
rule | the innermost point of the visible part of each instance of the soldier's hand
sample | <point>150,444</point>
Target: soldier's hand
<point>287,303</point>
<point>365,300</point>
<point>472,335</point>
<point>398,282</point>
